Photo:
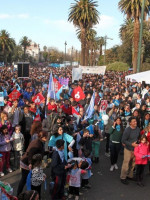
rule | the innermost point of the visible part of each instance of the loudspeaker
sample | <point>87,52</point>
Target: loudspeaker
<point>23,70</point>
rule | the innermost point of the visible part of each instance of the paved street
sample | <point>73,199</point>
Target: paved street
<point>105,184</point>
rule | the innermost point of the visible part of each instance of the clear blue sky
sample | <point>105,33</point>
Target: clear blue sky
<point>45,22</point>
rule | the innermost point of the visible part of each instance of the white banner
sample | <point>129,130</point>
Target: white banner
<point>93,69</point>
<point>76,74</point>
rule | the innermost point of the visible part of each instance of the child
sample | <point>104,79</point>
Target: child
<point>5,148</point>
<point>141,153</point>
<point>58,171</point>
<point>37,176</point>
<point>75,180</point>
<point>18,144</point>
<point>96,143</point>
<point>86,141</point>
<point>86,176</point>
<point>146,132</point>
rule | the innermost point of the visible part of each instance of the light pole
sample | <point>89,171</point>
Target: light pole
<point>105,39</point>
<point>65,51</point>
<point>71,55</point>
<point>141,36</point>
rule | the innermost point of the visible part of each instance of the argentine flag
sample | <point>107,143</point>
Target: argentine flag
<point>90,109</point>
<point>51,89</point>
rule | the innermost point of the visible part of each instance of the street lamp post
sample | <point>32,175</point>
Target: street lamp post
<point>65,51</point>
<point>71,55</point>
<point>105,39</point>
<point>141,36</point>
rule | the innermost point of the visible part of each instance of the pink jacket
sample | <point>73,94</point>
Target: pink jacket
<point>140,151</point>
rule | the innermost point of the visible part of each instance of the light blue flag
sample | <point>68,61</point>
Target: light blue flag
<point>90,109</point>
<point>91,129</point>
<point>51,89</point>
<point>5,92</point>
<point>58,93</point>
<point>18,87</point>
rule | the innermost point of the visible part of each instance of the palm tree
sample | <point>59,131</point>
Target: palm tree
<point>7,44</point>
<point>84,15</point>
<point>127,34</point>
<point>25,42</point>
<point>133,10</point>
<point>91,45</point>
<point>90,38</point>
<point>101,43</point>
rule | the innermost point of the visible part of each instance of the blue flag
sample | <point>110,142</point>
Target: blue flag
<point>51,89</point>
<point>90,109</point>
<point>59,92</point>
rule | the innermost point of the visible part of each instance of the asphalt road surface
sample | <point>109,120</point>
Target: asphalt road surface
<point>106,185</point>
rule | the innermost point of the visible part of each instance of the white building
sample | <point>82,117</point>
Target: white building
<point>33,50</point>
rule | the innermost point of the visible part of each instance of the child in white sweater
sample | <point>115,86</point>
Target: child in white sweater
<point>18,144</point>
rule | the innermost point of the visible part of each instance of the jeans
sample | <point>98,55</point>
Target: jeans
<point>128,164</point>
<point>140,172</point>
<point>27,138</point>
<point>38,189</point>
<point>58,190</point>
<point>107,142</point>
<point>114,151</point>
<point>5,159</point>
<point>24,174</point>
<point>17,155</point>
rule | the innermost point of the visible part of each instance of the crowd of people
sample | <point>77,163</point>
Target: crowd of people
<point>63,132</point>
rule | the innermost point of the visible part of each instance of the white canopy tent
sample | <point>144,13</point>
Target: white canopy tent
<point>139,77</point>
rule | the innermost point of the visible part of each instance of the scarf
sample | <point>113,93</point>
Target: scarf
<point>127,113</point>
<point>146,123</point>
<point>118,127</point>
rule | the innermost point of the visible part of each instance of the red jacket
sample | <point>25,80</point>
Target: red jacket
<point>52,107</point>
<point>140,151</point>
<point>66,110</point>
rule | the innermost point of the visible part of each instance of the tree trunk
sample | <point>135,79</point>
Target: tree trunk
<point>24,53</point>
<point>136,43</point>
<point>87,54</point>
<point>100,50</point>
<point>83,46</point>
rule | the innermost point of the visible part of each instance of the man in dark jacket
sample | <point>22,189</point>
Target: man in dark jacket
<point>58,172</point>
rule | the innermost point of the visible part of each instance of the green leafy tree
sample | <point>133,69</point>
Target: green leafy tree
<point>7,44</point>
<point>132,8</point>
<point>25,42</point>
<point>127,35</point>
<point>84,15</point>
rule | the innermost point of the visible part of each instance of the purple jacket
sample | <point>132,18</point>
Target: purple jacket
<point>4,147</point>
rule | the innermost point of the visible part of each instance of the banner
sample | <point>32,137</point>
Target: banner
<point>76,74</point>
<point>93,69</point>
<point>77,94</point>
<point>14,95</point>
<point>103,106</point>
<point>57,85</point>
<point>38,99</point>
<point>1,99</point>
<point>64,82</point>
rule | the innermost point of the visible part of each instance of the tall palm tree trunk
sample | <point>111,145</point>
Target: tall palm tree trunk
<point>83,46</point>
<point>100,50</point>
<point>136,43</point>
<point>24,54</point>
<point>87,55</point>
